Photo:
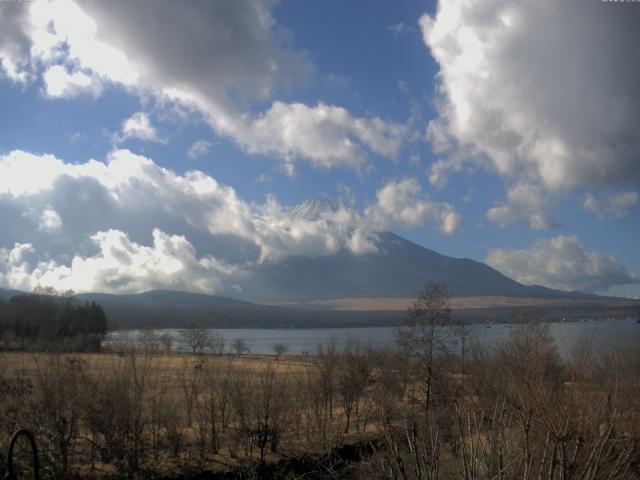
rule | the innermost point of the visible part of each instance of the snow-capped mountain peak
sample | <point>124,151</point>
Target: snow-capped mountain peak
<point>315,209</point>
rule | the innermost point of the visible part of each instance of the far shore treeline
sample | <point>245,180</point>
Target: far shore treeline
<point>46,320</point>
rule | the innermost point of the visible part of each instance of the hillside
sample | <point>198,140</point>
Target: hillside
<point>399,269</point>
<point>172,309</point>
<point>345,289</point>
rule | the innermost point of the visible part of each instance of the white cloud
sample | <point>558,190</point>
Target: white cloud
<point>326,135</point>
<point>22,173</point>
<point>138,126</point>
<point>50,221</point>
<point>14,42</point>
<point>526,204</point>
<point>120,266</point>
<point>128,192</point>
<point>241,55</point>
<point>129,197</point>
<point>16,266</point>
<point>402,202</point>
<point>199,148</point>
<point>319,231</point>
<point>616,205</point>
<point>450,221</point>
<point>439,173</point>
<point>60,83</point>
<point>62,32</point>
<point>243,66</point>
<point>540,92</point>
<point>361,243</point>
<point>561,262</point>
<point>543,89</point>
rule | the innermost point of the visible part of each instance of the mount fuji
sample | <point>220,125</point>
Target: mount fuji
<point>398,268</point>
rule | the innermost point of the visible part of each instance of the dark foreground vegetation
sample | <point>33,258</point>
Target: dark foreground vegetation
<point>423,410</point>
<point>46,320</point>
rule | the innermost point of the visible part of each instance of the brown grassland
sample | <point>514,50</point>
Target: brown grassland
<point>422,410</point>
<point>478,302</point>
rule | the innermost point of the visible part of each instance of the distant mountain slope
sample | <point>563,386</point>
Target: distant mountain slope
<point>6,294</point>
<point>166,308</point>
<point>172,309</point>
<point>400,269</point>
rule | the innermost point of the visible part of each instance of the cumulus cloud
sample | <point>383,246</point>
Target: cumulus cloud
<point>561,262</point>
<point>313,228</point>
<point>83,225</point>
<point>59,82</point>
<point>138,126</point>
<point>14,42</point>
<point>198,148</point>
<point>616,205</point>
<point>120,266</point>
<point>40,35</point>
<point>229,47</point>
<point>50,221</point>
<point>543,93</point>
<point>543,89</point>
<point>439,173</point>
<point>526,204</point>
<point>403,202</point>
<point>243,67</point>
<point>326,135</point>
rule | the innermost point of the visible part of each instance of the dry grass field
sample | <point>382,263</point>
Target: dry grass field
<point>171,364</point>
<point>478,302</point>
<point>140,412</point>
<point>178,400</point>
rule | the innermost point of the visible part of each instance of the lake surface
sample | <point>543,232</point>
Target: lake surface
<point>606,333</point>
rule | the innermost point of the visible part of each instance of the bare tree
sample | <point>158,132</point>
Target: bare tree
<point>191,384</point>
<point>353,376</point>
<point>325,384</point>
<point>240,346</point>
<point>140,366</point>
<point>198,339</point>
<point>214,389</point>
<point>269,410</point>
<point>422,334</point>
<point>167,342</point>
<point>218,343</point>
<point>150,340</point>
<point>279,349</point>
<point>550,418</point>
<point>57,409</point>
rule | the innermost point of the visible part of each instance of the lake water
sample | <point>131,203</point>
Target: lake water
<point>606,333</point>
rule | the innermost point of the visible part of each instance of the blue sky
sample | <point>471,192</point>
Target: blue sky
<point>466,129</point>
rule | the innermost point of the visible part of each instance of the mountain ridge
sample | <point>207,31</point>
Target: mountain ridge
<point>400,268</point>
<point>178,309</point>
<point>304,291</point>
